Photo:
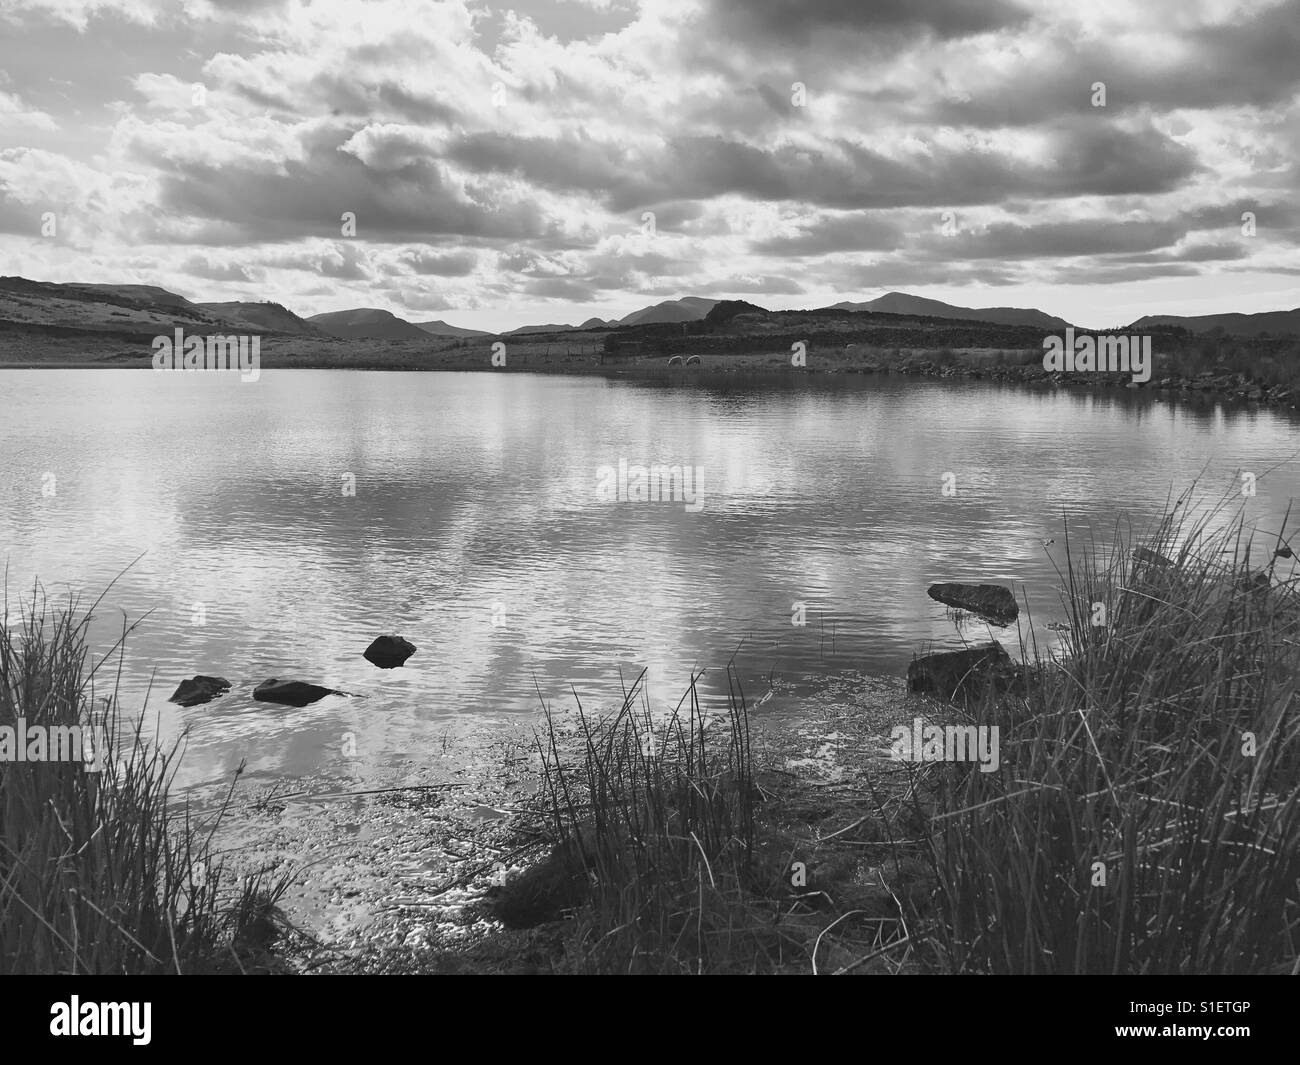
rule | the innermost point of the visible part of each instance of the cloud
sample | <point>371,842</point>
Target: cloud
<point>497,157</point>
<point>799,21</point>
<point>836,232</point>
<point>444,264</point>
<point>16,118</point>
<point>216,270</point>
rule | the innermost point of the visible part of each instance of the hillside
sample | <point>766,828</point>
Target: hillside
<point>686,309</point>
<point>367,323</point>
<point>122,310</point>
<point>442,329</point>
<point>903,303</point>
<point>134,311</point>
<point>1275,322</point>
<point>261,317</point>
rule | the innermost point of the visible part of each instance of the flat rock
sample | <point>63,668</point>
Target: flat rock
<point>199,690</point>
<point>990,601</point>
<point>389,652</point>
<point>291,692</point>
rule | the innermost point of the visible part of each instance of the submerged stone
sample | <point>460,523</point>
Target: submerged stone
<point>991,601</point>
<point>199,690</point>
<point>291,692</point>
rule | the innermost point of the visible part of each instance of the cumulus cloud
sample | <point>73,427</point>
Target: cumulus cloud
<point>514,155</point>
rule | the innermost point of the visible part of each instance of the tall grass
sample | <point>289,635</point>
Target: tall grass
<point>656,822</point>
<point>97,873</point>
<point>1147,818</point>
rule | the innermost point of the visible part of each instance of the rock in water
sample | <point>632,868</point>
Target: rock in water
<point>990,601</point>
<point>1151,558</point>
<point>389,652</point>
<point>291,692</point>
<point>199,690</point>
<point>967,674</point>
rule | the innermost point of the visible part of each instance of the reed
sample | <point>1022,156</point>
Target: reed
<point>1147,818</point>
<point>100,872</point>
<point>655,822</point>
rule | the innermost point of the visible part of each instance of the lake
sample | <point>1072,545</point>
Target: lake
<point>274,528</point>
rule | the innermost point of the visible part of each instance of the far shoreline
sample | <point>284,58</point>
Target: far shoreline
<point>987,365</point>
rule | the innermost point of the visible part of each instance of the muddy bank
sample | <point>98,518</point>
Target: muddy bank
<point>396,872</point>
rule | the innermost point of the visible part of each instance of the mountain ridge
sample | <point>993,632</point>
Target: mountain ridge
<point>922,306</point>
<point>144,309</point>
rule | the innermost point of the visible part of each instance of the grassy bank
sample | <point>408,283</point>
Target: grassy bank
<point>1260,369</point>
<point>1145,817</point>
<point>99,871</point>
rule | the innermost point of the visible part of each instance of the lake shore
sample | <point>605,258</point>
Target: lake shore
<point>581,355</point>
<point>788,834</point>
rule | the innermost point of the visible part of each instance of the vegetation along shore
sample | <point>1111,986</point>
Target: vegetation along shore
<point>1252,358</point>
<point>1142,814</point>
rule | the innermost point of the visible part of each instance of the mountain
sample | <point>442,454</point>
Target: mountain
<point>686,309</point>
<point>919,306</point>
<point>261,318</point>
<point>590,323</point>
<point>135,310</point>
<point>1238,324</point>
<point>552,328</point>
<point>125,310</point>
<point>367,323</point>
<point>442,329</point>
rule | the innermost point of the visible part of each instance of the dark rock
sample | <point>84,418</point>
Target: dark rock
<point>990,601</point>
<point>965,675</point>
<point>291,692</point>
<point>1154,558</point>
<point>542,892</point>
<point>199,690</point>
<point>389,652</point>
<point>1255,582</point>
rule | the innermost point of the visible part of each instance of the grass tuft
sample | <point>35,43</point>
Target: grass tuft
<point>99,873</point>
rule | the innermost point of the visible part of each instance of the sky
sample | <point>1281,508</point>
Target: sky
<point>556,160</point>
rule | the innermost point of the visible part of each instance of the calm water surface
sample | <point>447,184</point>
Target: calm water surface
<point>477,531</point>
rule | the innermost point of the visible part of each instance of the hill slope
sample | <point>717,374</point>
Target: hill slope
<point>134,310</point>
<point>367,323</point>
<point>903,303</point>
<point>1238,324</point>
<point>686,309</point>
<point>442,329</point>
<point>261,317</point>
